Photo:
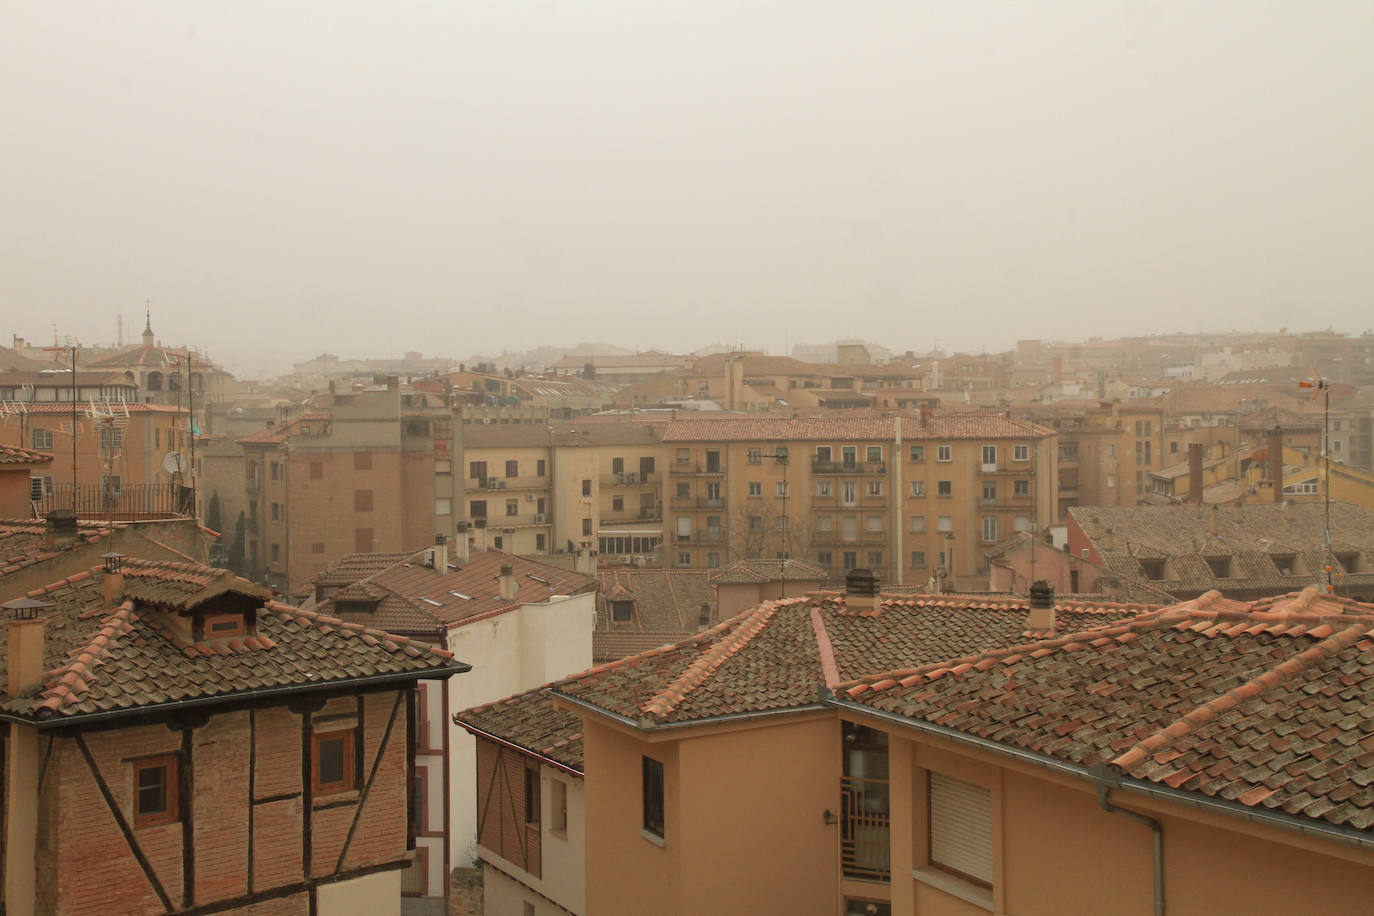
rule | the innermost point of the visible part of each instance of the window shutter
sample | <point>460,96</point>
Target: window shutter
<point>961,827</point>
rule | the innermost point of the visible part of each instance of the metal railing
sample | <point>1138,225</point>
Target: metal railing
<point>134,502</point>
<point>865,828</point>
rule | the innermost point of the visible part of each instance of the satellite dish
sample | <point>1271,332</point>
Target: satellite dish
<point>175,464</point>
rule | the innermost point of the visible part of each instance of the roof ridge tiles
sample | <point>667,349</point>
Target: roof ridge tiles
<point>747,626</point>
<point>72,678</point>
<point>347,629</point>
<point>1271,677</point>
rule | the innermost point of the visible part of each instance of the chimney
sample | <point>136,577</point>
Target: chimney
<point>508,585</point>
<point>460,543</point>
<point>1195,472</point>
<point>1108,539</point>
<point>61,531</point>
<point>923,412</point>
<point>1276,462</point>
<point>1289,515</point>
<point>24,630</point>
<point>861,592</point>
<point>479,533</point>
<point>1213,519</point>
<point>439,558</point>
<point>584,561</point>
<point>1041,617</point>
<point>114,577</point>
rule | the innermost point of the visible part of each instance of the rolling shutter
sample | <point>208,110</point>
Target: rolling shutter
<point>961,828</point>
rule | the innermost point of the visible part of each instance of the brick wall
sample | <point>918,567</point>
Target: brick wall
<point>501,825</point>
<point>86,861</point>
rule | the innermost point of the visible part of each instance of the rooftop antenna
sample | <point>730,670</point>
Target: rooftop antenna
<point>1320,385</point>
<point>107,416</point>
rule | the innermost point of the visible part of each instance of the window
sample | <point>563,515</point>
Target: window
<point>1111,451</point>
<point>1153,569</point>
<point>220,626</point>
<point>498,542</point>
<point>684,558</point>
<point>155,790</point>
<point>512,468</point>
<point>989,528</point>
<point>539,541</point>
<point>512,508</point>
<point>756,523</point>
<point>782,489</point>
<point>918,489</point>
<point>653,797</point>
<point>755,456</point>
<point>1020,488</point>
<point>586,487</point>
<point>944,453</point>
<point>684,491</point>
<point>849,492</point>
<point>712,560</point>
<point>477,508</point>
<point>558,805</point>
<point>617,503</point>
<point>875,488</point>
<point>825,488</point>
<point>875,559</point>
<point>317,547</point>
<point>539,467</point>
<point>849,527</point>
<point>684,456</point>
<point>713,492</point>
<point>918,524</point>
<point>111,483</point>
<point>157,437</point>
<point>944,488</point>
<point>276,553</point>
<point>1022,523</point>
<point>532,799</point>
<point>1173,448</point>
<point>1020,453</point>
<point>918,559</point>
<point>443,506</point>
<point>755,488</point>
<point>825,523</point>
<point>850,559</point>
<point>961,829</point>
<point>873,523</point>
<point>622,611</point>
<point>989,456</point>
<point>918,453</point>
<point>586,526</point>
<point>823,454</point>
<point>316,470</point>
<point>276,512</point>
<point>945,523</point>
<point>362,461</point>
<point>331,761</point>
<point>873,454</point>
<point>477,470</point>
<point>362,500</point>
<point>849,456</point>
<point>825,557</point>
<point>112,437</point>
<point>989,492</point>
<point>713,461</point>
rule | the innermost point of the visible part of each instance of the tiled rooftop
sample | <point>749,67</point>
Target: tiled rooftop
<point>104,658</point>
<point>1268,705</point>
<point>13,454</point>
<point>750,572</point>
<point>412,597</point>
<point>667,608</point>
<point>533,722</point>
<point>350,568</point>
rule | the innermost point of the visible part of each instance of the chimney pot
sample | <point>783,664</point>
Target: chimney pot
<point>507,582</point>
<point>24,632</point>
<point>440,553</point>
<point>1041,617</point>
<point>861,590</point>
<point>61,528</point>
<point>114,577</point>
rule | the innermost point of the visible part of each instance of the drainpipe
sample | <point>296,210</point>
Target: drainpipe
<point>1106,779</point>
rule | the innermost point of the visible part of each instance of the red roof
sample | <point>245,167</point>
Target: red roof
<point>941,425</point>
<point>13,454</point>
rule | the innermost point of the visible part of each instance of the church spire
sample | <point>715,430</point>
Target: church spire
<point>148,324</point>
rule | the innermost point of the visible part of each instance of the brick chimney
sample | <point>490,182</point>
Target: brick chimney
<point>1195,473</point>
<point>460,543</point>
<point>439,557</point>
<point>1041,617</point>
<point>861,592</point>
<point>509,588</point>
<point>114,577</point>
<point>61,529</point>
<point>1289,514</point>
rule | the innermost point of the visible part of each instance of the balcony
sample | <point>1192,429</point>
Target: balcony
<point>132,503</point>
<point>844,467</point>
<point>710,536</point>
<point>865,829</point>
<point>688,468</point>
<point>648,513</point>
<point>688,502</point>
<point>631,479</point>
<point>512,483</point>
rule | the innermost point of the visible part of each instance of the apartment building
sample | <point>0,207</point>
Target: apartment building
<point>917,499</point>
<point>552,490</point>
<point>19,467</point>
<point>362,470</point>
<point>175,741</point>
<point>861,773</point>
<point>120,452</point>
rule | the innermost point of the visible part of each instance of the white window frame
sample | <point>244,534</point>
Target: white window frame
<point>944,453</point>
<point>1020,453</point>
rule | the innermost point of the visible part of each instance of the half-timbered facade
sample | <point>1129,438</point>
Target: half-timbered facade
<point>177,742</point>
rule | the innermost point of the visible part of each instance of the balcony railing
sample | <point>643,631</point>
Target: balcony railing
<point>843,467</point>
<point>865,829</point>
<point>135,502</point>
<point>511,483</point>
<point>630,479</point>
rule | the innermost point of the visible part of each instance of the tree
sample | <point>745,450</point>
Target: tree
<point>212,514</point>
<point>236,548</point>
<point>760,529</point>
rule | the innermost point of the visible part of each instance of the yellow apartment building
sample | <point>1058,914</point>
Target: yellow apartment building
<point>918,499</point>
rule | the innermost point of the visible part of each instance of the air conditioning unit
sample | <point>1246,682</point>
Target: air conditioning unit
<point>637,561</point>
<point>500,484</point>
<point>539,518</point>
<point>632,478</point>
<point>529,497</point>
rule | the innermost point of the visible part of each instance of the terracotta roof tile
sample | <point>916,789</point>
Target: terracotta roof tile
<point>532,722</point>
<point>13,454</point>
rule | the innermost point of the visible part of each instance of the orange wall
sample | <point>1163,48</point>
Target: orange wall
<point>14,489</point>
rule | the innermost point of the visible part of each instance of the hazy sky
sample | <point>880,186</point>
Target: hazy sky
<point>285,178</point>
